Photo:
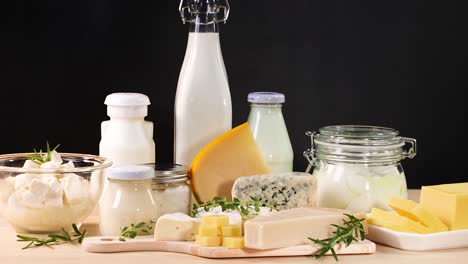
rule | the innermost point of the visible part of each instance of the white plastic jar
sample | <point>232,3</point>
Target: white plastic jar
<point>269,130</point>
<point>171,190</point>
<point>358,167</point>
<point>128,199</point>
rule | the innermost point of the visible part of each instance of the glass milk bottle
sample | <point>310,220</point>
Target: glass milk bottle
<point>203,108</point>
<point>269,130</point>
<point>127,138</point>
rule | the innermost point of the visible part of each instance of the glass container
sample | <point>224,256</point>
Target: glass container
<point>358,167</point>
<point>44,200</point>
<point>171,189</point>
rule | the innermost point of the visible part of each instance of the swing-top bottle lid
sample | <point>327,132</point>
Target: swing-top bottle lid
<point>207,11</point>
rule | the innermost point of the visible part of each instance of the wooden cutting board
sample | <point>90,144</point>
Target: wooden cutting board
<point>112,244</point>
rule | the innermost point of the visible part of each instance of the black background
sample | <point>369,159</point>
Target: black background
<point>400,64</point>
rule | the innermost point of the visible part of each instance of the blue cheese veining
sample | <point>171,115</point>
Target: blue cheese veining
<point>282,190</point>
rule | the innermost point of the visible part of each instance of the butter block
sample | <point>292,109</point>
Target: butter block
<point>293,227</point>
<point>416,212</point>
<point>209,230</point>
<point>176,227</point>
<point>231,231</point>
<point>282,190</point>
<point>233,242</point>
<point>208,241</point>
<point>216,220</point>
<point>449,202</point>
<point>390,220</point>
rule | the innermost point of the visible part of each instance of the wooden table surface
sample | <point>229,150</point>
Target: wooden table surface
<point>10,252</point>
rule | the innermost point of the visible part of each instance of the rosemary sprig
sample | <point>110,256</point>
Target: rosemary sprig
<point>241,206</point>
<point>53,239</point>
<point>351,230</point>
<point>39,157</point>
<point>134,229</point>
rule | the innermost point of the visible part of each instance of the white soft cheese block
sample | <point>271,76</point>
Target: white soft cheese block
<point>234,216</point>
<point>176,227</point>
<point>282,190</point>
<point>292,227</point>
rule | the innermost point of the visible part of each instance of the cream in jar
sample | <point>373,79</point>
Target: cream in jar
<point>128,199</point>
<point>171,190</point>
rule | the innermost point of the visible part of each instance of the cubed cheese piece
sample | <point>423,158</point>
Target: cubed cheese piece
<point>292,227</point>
<point>282,190</point>
<point>176,227</point>
<point>209,230</point>
<point>449,202</point>
<point>221,162</point>
<point>208,241</point>
<point>234,216</point>
<point>216,220</point>
<point>416,212</point>
<point>233,242</point>
<point>390,220</point>
<point>231,231</point>
<point>75,188</point>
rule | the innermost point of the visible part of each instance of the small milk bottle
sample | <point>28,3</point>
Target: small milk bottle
<point>269,130</point>
<point>127,138</point>
<point>203,108</point>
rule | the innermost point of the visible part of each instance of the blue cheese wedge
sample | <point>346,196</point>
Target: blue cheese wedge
<point>282,190</point>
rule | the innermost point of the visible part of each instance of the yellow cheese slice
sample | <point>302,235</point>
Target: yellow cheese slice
<point>390,220</point>
<point>221,162</point>
<point>233,242</point>
<point>449,202</point>
<point>416,212</point>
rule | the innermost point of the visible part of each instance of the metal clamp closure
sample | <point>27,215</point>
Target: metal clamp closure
<point>310,154</point>
<point>411,152</point>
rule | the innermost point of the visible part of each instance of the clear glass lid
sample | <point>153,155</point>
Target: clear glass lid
<point>359,144</point>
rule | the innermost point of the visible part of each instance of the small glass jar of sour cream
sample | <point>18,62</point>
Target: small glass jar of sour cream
<point>171,190</point>
<point>128,199</point>
<point>358,167</point>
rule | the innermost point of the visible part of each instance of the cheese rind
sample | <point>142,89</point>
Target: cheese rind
<point>221,162</point>
<point>176,227</point>
<point>449,202</point>
<point>390,220</point>
<point>282,190</point>
<point>292,227</point>
<point>416,212</point>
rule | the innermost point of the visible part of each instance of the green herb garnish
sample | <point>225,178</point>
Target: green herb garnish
<point>351,230</point>
<point>40,157</point>
<point>134,229</point>
<point>53,239</point>
<point>243,207</point>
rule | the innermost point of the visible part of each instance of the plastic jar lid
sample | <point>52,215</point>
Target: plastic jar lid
<point>131,173</point>
<point>127,105</point>
<point>266,98</point>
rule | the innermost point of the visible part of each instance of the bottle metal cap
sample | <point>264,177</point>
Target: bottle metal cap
<point>266,98</point>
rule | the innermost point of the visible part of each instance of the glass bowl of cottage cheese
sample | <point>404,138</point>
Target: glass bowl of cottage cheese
<point>41,193</point>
